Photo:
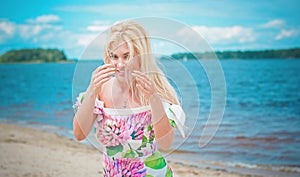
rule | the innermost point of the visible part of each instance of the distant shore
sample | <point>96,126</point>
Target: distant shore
<point>292,53</point>
<point>32,55</point>
<point>30,152</point>
<point>40,62</point>
<point>97,60</point>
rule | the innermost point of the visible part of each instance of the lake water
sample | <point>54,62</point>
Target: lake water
<point>260,126</point>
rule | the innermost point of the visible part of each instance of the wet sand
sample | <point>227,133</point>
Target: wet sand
<point>30,152</point>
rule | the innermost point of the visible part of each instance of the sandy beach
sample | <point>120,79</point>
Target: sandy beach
<point>29,152</point>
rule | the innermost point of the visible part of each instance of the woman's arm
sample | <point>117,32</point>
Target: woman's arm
<point>164,132</point>
<point>85,117</point>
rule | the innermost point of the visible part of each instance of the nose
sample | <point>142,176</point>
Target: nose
<point>120,63</point>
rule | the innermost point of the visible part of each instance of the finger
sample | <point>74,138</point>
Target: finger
<point>107,70</point>
<point>100,77</point>
<point>104,67</point>
<point>144,84</point>
<point>142,77</point>
<point>142,89</point>
<point>104,75</point>
<point>138,73</point>
<point>140,81</point>
<point>104,71</point>
<point>102,82</point>
<point>101,68</point>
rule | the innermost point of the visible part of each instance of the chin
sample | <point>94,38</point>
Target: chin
<point>123,79</point>
<point>120,78</point>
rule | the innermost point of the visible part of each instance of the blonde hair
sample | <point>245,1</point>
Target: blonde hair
<point>134,35</point>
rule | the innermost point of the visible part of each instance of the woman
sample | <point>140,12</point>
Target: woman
<point>133,104</point>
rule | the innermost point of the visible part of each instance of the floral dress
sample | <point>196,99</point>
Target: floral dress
<point>130,148</point>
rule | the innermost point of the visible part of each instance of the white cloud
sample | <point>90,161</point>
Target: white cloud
<point>118,8</point>
<point>161,9</point>
<point>7,27</point>
<point>93,45</point>
<point>286,33</point>
<point>100,22</point>
<point>27,31</point>
<point>30,31</point>
<point>277,23</point>
<point>236,34</point>
<point>7,30</point>
<point>45,19</point>
<point>39,29</point>
<point>97,28</point>
<point>85,39</point>
<point>48,35</point>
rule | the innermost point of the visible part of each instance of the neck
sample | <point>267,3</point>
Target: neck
<point>123,92</point>
<point>121,86</point>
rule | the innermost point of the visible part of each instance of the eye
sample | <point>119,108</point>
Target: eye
<point>113,57</point>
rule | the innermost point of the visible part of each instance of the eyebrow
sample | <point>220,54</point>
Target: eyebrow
<point>127,53</point>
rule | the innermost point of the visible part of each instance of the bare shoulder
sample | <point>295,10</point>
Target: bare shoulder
<point>106,89</point>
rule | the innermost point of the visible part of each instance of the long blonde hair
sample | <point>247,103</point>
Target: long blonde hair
<point>134,35</point>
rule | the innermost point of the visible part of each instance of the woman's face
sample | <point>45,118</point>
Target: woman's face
<point>119,57</point>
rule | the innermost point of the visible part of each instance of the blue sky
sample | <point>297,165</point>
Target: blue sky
<point>226,25</point>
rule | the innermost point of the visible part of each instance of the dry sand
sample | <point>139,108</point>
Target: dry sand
<point>29,152</point>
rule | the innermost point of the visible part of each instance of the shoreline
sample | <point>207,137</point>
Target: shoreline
<point>97,60</point>
<point>32,152</point>
<point>39,62</point>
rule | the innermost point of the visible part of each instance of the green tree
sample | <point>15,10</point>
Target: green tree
<point>33,55</point>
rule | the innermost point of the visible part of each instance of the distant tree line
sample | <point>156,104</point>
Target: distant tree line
<point>33,55</point>
<point>259,54</point>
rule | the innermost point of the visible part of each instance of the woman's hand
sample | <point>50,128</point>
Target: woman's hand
<point>164,132</point>
<point>101,75</point>
<point>144,84</point>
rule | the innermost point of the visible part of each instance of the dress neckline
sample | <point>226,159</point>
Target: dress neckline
<point>122,112</point>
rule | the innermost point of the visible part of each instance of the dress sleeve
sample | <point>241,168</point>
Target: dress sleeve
<point>176,116</point>
<point>99,105</point>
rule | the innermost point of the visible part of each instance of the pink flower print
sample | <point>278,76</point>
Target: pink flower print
<point>145,117</point>
<point>79,101</point>
<point>127,167</point>
<point>138,133</point>
<point>140,121</point>
<point>151,136</point>
<point>113,131</point>
<point>133,167</point>
<point>99,105</point>
<point>109,167</point>
<point>150,148</point>
<point>147,150</point>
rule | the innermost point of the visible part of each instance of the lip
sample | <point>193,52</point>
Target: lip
<point>121,72</point>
